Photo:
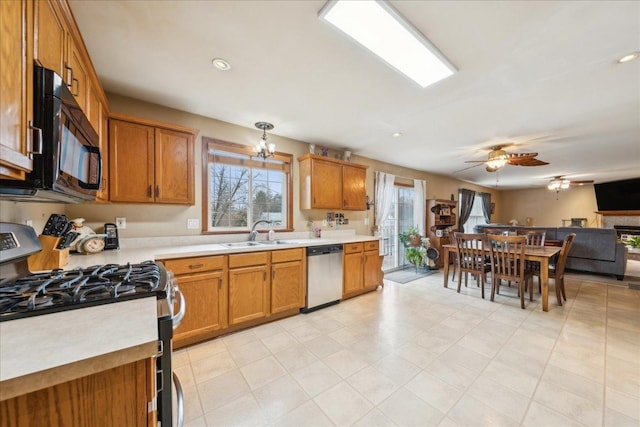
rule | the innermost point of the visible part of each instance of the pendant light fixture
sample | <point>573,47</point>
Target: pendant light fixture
<point>263,148</point>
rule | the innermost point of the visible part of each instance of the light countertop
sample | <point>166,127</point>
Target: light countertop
<point>161,248</point>
<point>38,344</point>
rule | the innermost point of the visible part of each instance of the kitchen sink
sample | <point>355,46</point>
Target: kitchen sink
<point>276,242</point>
<point>241,244</point>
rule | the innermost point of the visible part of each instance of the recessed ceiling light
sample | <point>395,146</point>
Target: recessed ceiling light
<point>397,134</point>
<point>221,64</point>
<point>628,57</point>
<point>380,28</point>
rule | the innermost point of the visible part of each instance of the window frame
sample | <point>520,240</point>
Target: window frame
<point>253,162</point>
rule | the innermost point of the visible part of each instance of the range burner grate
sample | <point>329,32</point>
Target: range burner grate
<point>59,290</point>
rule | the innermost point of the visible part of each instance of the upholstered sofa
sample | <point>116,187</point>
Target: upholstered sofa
<point>594,250</point>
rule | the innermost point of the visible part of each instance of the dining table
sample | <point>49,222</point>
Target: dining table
<point>541,254</point>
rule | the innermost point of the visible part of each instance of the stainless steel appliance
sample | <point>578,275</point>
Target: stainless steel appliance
<point>67,166</point>
<point>24,295</point>
<point>324,276</point>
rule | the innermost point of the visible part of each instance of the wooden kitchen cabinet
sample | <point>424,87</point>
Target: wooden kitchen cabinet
<point>372,265</point>
<point>203,283</point>
<point>16,86</point>
<point>57,49</point>
<point>249,287</point>
<point>352,269</point>
<point>331,184</point>
<point>97,115</point>
<point>51,37</point>
<point>121,396</point>
<point>287,280</point>
<point>361,268</point>
<point>441,219</point>
<point>354,192</point>
<point>150,162</point>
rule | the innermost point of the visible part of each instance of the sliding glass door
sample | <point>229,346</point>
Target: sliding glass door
<point>400,219</point>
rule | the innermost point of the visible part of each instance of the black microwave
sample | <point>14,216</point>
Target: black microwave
<point>68,167</point>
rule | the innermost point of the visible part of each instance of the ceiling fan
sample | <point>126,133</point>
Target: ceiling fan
<point>558,183</point>
<point>498,158</point>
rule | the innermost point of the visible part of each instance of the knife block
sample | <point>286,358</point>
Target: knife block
<point>50,257</point>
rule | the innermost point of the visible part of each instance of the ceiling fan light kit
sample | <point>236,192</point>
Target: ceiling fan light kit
<point>557,184</point>
<point>499,158</point>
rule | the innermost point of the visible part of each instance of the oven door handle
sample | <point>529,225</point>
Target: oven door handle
<point>182,304</point>
<point>179,401</point>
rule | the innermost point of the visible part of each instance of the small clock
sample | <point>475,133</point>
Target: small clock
<point>91,244</point>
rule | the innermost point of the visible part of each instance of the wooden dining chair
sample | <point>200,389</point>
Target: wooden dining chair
<point>471,259</point>
<point>507,263</point>
<point>557,272</point>
<point>455,256</point>
<point>534,238</point>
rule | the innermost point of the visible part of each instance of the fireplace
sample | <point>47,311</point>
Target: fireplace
<point>626,230</point>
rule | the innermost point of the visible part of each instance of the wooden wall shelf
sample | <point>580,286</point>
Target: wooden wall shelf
<point>618,213</point>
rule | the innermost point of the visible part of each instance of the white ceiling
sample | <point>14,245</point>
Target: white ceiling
<point>542,74</point>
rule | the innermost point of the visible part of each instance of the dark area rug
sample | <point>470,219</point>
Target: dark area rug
<point>409,274</point>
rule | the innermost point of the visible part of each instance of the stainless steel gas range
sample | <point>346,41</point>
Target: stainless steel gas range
<point>23,295</point>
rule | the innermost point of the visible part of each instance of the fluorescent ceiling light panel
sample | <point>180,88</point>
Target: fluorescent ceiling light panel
<point>380,28</point>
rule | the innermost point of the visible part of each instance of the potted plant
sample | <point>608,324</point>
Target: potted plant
<point>415,255</point>
<point>633,242</point>
<point>411,237</point>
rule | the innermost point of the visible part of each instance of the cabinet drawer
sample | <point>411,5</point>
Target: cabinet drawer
<point>287,255</point>
<point>373,245</point>
<point>245,260</point>
<point>353,247</point>
<point>195,264</point>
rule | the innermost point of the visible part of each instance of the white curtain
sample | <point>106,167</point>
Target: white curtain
<point>419,204</point>
<point>383,196</point>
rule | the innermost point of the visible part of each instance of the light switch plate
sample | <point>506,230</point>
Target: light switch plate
<point>193,223</point>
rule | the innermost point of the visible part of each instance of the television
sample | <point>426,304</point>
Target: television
<point>618,195</point>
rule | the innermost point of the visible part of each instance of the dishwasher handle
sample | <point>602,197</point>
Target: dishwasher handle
<point>323,250</point>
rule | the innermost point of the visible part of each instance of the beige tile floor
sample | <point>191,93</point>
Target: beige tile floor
<point>421,355</point>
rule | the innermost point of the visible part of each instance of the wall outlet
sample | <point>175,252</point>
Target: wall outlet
<point>193,223</point>
<point>366,220</point>
<point>28,222</point>
<point>121,223</point>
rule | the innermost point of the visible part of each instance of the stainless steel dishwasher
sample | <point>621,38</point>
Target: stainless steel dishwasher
<point>324,276</point>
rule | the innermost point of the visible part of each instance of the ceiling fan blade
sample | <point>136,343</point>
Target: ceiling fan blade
<point>581,182</point>
<point>467,168</point>
<point>520,155</point>
<point>475,161</point>
<point>526,161</point>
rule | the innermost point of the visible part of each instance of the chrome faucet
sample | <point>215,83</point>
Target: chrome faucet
<point>254,233</point>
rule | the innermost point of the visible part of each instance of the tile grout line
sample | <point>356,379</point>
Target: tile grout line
<point>531,399</point>
<point>604,373</point>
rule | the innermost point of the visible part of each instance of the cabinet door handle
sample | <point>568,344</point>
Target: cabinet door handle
<point>69,75</point>
<point>77,85</point>
<point>157,191</point>
<point>264,276</point>
<point>219,282</point>
<point>273,274</point>
<point>35,130</point>
<point>194,266</point>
